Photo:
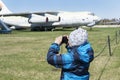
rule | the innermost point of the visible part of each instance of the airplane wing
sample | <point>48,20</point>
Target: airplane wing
<point>30,18</point>
<point>29,13</point>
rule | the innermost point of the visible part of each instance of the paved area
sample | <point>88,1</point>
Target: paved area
<point>106,26</point>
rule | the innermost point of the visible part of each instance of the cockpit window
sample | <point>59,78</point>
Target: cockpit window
<point>91,14</point>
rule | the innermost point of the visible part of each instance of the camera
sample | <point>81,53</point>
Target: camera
<point>64,40</point>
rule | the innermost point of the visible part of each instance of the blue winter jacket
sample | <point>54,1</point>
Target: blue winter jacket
<point>75,63</point>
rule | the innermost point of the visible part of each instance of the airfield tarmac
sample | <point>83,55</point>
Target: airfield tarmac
<point>105,26</point>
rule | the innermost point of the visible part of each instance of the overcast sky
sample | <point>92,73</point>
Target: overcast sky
<point>102,8</point>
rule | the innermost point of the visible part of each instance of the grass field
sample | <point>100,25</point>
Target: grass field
<point>23,55</point>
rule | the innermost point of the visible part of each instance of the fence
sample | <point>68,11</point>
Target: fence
<point>109,43</point>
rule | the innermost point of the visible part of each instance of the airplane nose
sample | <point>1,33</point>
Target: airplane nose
<point>97,19</point>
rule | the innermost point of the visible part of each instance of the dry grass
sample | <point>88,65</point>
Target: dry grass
<point>23,55</point>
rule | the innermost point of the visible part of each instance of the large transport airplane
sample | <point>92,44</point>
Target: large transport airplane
<point>46,20</point>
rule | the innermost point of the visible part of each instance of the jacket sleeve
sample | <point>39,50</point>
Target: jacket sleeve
<point>86,54</point>
<point>55,59</point>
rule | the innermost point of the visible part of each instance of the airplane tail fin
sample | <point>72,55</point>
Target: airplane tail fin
<point>3,8</point>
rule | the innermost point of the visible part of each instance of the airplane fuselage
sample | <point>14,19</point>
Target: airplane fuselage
<point>61,19</point>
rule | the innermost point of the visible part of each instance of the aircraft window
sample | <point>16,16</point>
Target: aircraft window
<point>83,19</point>
<point>91,14</point>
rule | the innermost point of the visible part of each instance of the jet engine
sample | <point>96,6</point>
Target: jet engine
<point>52,18</point>
<point>47,18</point>
<point>38,19</point>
